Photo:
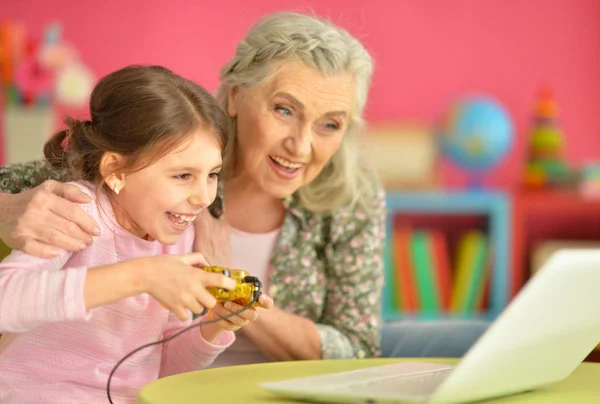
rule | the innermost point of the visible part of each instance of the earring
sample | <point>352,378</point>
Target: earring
<point>116,189</point>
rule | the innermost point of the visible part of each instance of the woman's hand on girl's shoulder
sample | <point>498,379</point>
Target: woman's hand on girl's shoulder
<point>45,219</point>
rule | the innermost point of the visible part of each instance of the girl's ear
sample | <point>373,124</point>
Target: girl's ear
<point>110,163</point>
<point>233,96</point>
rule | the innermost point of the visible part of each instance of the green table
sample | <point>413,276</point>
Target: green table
<point>239,384</point>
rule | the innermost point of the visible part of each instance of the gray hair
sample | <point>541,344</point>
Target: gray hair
<point>287,36</point>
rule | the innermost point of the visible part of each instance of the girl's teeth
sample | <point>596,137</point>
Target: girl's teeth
<point>184,218</point>
<point>286,163</point>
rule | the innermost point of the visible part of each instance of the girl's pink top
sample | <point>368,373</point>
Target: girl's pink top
<point>54,351</point>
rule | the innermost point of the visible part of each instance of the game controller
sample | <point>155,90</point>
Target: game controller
<point>247,288</point>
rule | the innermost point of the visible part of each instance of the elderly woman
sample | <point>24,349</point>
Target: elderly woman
<point>298,207</point>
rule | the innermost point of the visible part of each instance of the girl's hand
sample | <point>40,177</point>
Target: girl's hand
<point>179,286</point>
<point>211,331</point>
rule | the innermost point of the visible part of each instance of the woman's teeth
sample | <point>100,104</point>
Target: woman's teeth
<point>286,163</point>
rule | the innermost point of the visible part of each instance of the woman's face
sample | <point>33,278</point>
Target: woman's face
<point>290,126</point>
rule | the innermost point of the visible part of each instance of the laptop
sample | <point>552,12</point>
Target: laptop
<point>540,338</point>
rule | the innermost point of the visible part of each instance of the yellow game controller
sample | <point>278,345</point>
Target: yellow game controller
<point>247,290</point>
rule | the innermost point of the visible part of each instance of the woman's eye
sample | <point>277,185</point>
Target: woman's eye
<point>283,110</point>
<point>182,176</point>
<point>331,126</point>
<point>214,176</point>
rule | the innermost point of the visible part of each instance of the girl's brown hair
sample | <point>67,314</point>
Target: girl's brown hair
<point>133,110</point>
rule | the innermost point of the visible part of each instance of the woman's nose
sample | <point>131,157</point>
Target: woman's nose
<point>300,143</point>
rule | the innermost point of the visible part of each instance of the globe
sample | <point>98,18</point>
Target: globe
<point>476,134</point>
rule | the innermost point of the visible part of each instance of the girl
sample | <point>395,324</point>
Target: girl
<point>149,158</point>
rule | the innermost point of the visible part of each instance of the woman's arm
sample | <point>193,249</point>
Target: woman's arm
<point>351,322</point>
<point>16,178</point>
<point>283,336</point>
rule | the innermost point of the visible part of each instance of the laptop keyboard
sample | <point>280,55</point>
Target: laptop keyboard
<point>417,385</point>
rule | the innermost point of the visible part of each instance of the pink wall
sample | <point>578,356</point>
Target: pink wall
<point>427,52</point>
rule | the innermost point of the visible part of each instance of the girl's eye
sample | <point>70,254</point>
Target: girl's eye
<point>283,110</point>
<point>214,176</point>
<point>182,176</point>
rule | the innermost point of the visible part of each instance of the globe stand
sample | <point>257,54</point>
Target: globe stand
<point>475,182</point>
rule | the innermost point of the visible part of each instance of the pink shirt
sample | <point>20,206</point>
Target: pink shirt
<point>53,350</point>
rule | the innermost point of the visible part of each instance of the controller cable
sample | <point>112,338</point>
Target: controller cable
<point>162,341</point>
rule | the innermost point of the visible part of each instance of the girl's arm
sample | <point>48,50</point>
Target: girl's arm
<point>198,347</point>
<point>37,291</point>
<point>190,351</point>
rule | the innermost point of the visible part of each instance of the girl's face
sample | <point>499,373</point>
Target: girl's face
<point>160,201</point>
<point>289,127</point>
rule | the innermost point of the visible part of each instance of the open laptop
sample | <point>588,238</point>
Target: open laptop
<point>540,338</point>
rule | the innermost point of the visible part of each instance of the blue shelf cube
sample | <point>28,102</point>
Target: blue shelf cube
<point>495,205</point>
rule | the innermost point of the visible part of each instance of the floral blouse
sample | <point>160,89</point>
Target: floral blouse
<point>328,268</point>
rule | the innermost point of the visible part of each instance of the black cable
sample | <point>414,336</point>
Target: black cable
<point>162,341</point>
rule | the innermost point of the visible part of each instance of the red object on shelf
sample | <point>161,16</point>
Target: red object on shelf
<point>549,214</point>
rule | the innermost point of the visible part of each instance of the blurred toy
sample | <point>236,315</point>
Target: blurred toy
<point>33,81</point>
<point>49,70</point>
<point>248,288</point>
<point>545,164</point>
<point>12,46</point>
<point>73,84</point>
<point>476,134</point>
<point>590,180</point>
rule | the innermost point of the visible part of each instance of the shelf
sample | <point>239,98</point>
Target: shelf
<point>549,214</point>
<point>486,316</point>
<point>557,202</point>
<point>496,206</point>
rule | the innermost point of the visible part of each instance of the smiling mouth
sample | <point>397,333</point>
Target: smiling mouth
<point>181,220</point>
<point>286,165</point>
